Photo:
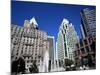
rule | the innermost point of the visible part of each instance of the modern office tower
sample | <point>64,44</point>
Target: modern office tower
<point>88,22</point>
<point>28,43</point>
<point>51,41</point>
<point>85,52</point>
<point>67,38</point>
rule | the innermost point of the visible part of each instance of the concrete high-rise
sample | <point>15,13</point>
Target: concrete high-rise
<point>88,22</point>
<point>67,38</point>
<point>86,47</point>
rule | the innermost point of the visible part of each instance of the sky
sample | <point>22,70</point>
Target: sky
<point>49,16</point>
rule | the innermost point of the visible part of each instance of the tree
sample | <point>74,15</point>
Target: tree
<point>34,68</point>
<point>14,67</point>
<point>18,66</point>
<point>21,65</point>
<point>68,64</point>
<point>90,64</point>
<point>49,68</point>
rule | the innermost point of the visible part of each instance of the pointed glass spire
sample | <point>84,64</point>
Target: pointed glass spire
<point>65,21</point>
<point>33,21</point>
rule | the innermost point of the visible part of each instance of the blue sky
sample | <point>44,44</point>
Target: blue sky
<point>48,15</point>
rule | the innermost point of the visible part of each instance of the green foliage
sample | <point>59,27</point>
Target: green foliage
<point>68,62</point>
<point>18,66</point>
<point>34,68</point>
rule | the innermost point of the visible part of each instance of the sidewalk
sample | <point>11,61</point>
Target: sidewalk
<point>58,69</point>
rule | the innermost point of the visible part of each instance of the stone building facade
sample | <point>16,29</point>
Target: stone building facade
<point>29,43</point>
